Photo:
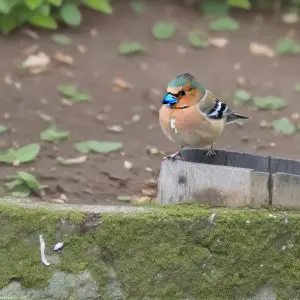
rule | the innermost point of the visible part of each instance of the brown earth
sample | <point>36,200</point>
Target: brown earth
<point>102,178</point>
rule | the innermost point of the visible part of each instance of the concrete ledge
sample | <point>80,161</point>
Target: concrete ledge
<point>29,203</point>
<point>230,179</point>
<point>174,252</point>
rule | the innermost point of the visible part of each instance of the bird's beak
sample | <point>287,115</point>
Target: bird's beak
<point>169,99</point>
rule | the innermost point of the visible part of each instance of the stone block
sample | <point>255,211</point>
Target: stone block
<point>285,190</point>
<point>182,181</point>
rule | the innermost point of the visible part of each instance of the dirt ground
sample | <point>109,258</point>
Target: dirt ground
<point>101,179</point>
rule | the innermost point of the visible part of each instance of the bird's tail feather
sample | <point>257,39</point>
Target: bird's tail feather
<point>232,117</point>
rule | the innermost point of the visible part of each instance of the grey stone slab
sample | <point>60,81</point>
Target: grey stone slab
<point>30,203</point>
<point>282,165</point>
<point>199,156</point>
<point>181,181</point>
<point>286,190</point>
<point>248,160</point>
<point>259,191</point>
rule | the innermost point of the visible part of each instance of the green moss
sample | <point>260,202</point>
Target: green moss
<point>170,253</point>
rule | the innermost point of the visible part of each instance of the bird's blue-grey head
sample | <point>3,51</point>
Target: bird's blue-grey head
<point>175,88</point>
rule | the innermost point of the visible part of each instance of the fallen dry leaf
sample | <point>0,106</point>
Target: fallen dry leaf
<point>66,102</point>
<point>152,150</point>
<point>57,201</point>
<point>142,199</point>
<point>136,118</point>
<point>181,50</point>
<point>295,116</point>
<point>40,60</point>
<point>264,124</point>
<point>152,183</point>
<point>115,128</point>
<point>33,48</point>
<point>218,42</point>
<point>31,34</point>
<point>120,84</point>
<point>72,161</point>
<point>81,48</point>
<point>44,116</point>
<point>127,164</point>
<point>149,192</point>
<point>64,58</point>
<point>290,17</point>
<point>260,49</point>
<point>101,117</point>
<point>8,80</point>
<point>237,66</point>
<point>241,81</point>
<point>93,32</point>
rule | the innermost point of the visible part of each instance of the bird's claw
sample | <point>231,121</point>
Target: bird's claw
<point>174,156</point>
<point>210,152</point>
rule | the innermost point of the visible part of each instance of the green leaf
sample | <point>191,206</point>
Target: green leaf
<point>33,4</point>
<point>240,3</point>
<point>214,7</point>
<point>43,21</point>
<point>55,2</point>
<point>242,97</point>
<point>284,126</point>
<point>163,30</point>
<point>196,40</point>
<point>98,146</point>
<point>3,129</point>
<point>224,24</point>
<point>61,39</point>
<point>30,180</point>
<point>45,9</point>
<point>269,103</point>
<point>13,184</point>
<point>6,6</point>
<point>131,48</point>
<point>51,134</point>
<point>70,14</point>
<point>27,153</point>
<point>102,6</point>
<point>24,154</point>
<point>124,198</point>
<point>67,91</point>
<point>287,46</point>
<point>80,97</point>
<point>297,87</point>
<point>8,23</point>
<point>70,91</point>
<point>21,191</point>
<point>138,6</point>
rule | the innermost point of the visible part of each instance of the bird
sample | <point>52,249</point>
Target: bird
<point>191,115</point>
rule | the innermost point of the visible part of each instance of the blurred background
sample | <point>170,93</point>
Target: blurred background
<point>83,80</point>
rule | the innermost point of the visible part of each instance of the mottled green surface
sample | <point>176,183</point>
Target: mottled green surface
<point>172,253</point>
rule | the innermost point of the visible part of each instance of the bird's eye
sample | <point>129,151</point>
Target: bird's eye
<point>181,93</point>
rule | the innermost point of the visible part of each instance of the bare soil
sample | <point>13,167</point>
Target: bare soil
<point>102,178</point>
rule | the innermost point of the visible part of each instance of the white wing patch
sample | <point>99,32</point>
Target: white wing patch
<point>173,125</point>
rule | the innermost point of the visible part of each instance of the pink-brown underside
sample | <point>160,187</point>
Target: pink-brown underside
<point>186,119</point>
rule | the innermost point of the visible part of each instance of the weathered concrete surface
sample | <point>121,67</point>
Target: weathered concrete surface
<point>30,203</point>
<point>285,190</point>
<point>61,286</point>
<point>181,181</point>
<point>167,253</point>
<point>230,179</point>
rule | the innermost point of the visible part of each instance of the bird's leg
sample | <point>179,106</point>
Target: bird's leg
<point>211,151</point>
<point>174,155</point>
